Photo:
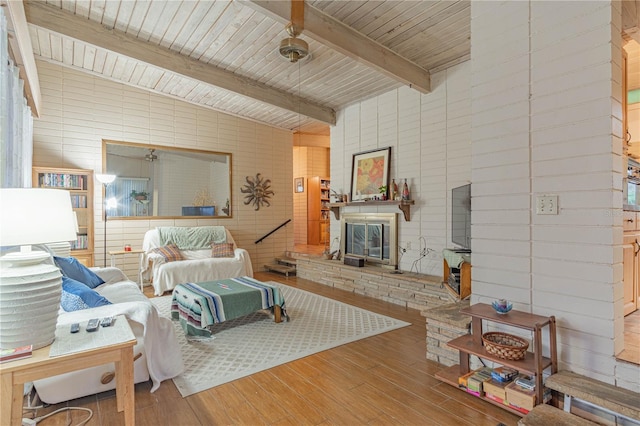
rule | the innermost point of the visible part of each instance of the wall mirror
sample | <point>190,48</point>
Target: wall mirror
<point>165,182</point>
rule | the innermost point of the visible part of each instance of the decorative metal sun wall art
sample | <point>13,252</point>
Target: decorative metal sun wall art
<point>258,191</point>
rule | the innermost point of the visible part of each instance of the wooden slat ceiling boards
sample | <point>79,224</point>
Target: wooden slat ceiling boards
<point>223,54</point>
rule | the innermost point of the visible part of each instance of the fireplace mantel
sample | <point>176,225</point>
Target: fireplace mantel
<point>404,205</point>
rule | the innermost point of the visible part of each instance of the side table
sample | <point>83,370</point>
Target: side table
<point>115,344</point>
<point>139,252</point>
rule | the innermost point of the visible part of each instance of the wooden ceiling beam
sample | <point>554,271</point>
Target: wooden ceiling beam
<point>61,22</point>
<point>333,33</point>
<point>22,54</point>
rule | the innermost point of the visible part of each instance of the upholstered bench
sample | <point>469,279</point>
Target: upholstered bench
<point>609,398</point>
<point>547,415</point>
<point>200,305</point>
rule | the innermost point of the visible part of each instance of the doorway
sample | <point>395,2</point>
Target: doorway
<point>631,352</point>
<point>311,188</point>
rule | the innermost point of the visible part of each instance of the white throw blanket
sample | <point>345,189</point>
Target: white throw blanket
<point>198,264</point>
<point>164,358</point>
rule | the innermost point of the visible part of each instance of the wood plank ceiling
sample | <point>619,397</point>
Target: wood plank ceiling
<point>223,54</point>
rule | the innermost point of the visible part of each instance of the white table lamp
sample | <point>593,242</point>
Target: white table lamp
<point>30,288</point>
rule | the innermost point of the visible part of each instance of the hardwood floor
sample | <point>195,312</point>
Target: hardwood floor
<point>631,352</point>
<point>385,379</point>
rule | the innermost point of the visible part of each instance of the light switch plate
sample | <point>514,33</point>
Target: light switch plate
<point>546,204</point>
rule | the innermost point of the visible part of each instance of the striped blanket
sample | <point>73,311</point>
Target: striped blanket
<point>200,305</point>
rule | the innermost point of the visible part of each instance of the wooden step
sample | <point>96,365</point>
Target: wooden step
<point>287,261</point>
<point>546,415</point>
<point>595,392</point>
<point>283,269</point>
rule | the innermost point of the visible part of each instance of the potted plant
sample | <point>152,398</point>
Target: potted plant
<point>138,195</point>
<point>383,192</point>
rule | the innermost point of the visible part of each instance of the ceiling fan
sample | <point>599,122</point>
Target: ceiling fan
<point>151,157</point>
<point>293,48</point>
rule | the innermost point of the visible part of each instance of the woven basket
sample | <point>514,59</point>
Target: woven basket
<point>505,346</point>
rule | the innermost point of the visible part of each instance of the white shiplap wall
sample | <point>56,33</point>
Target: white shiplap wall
<point>430,139</point>
<point>546,120</point>
<point>80,110</point>
<point>536,110</point>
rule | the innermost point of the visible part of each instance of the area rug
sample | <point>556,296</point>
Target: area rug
<point>255,343</point>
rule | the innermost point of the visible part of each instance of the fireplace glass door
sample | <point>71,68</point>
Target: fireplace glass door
<point>356,239</point>
<point>370,241</point>
<point>372,236</point>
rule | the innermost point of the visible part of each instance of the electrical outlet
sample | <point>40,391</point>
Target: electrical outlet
<point>408,245</point>
<point>547,204</point>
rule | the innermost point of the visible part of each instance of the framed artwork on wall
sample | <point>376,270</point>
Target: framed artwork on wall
<point>369,171</point>
<point>298,184</point>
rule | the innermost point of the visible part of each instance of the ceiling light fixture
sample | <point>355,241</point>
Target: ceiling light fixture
<point>293,48</point>
<point>151,157</point>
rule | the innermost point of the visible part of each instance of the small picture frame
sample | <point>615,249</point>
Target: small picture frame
<point>298,184</point>
<point>369,171</point>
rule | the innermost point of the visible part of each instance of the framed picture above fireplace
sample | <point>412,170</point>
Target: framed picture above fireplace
<point>369,171</point>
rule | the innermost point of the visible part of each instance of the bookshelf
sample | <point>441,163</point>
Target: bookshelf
<point>533,364</point>
<point>79,184</point>
<point>318,209</point>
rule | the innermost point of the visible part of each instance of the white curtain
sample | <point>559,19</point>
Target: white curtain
<point>16,121</point>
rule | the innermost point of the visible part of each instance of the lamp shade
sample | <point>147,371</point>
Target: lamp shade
<point>105,179</point>
<point>30,290</point>
<point>35,216</point>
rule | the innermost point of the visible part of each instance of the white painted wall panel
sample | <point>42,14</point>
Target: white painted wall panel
<point>430,139</point>
<point>545,121</point>
<point>81,110</point>
<point>566,145</point>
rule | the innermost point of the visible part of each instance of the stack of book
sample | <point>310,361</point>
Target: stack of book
<point>474,380</point>
<point>13,354</point>
<point>503,385</point>
<point>521,394</point>
<point>504,374</point>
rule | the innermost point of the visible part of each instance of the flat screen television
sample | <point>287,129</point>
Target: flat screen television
<point>461,217</point>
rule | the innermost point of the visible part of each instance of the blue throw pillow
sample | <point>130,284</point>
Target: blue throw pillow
<point>71,268</point>
<point>77,296</point>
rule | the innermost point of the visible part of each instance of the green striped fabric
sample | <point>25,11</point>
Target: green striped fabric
<point>200,305</point>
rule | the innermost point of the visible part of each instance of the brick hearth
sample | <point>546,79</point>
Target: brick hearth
<point>417,291</point>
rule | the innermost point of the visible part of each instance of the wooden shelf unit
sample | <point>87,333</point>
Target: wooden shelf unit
<point>79,184</point>
<point>318,209</point>
<point>404,205</point>
<point>533,363</point>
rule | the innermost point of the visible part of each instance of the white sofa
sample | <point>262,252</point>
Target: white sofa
<point>160,359</point>
<point>198,265</point>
